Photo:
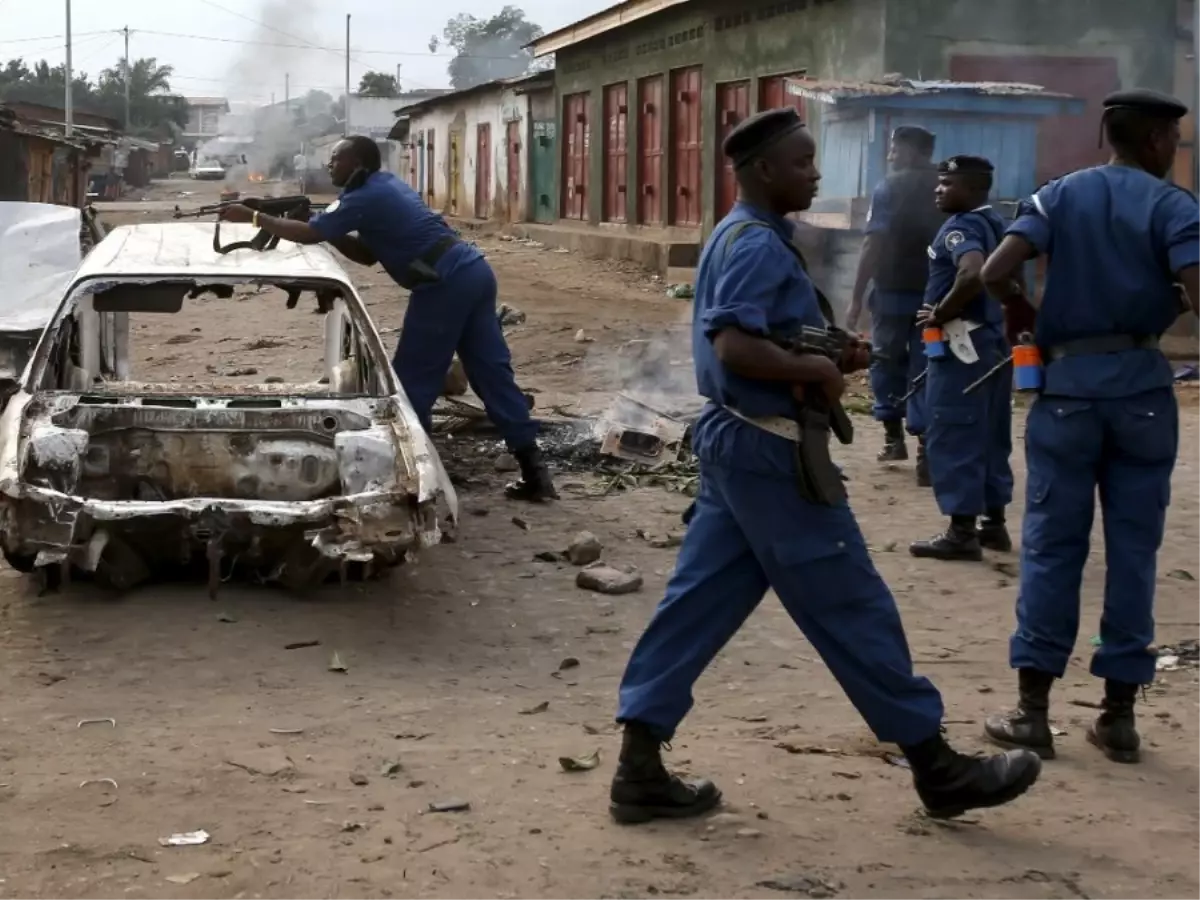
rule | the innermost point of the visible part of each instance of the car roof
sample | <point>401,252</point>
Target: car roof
<point>174,249</point>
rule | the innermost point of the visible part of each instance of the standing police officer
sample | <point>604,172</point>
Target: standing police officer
<point>1119,239</point>
<point>968,436</point>
<point>453,302</point>
<point>901,224</point>
<point>771,513</point>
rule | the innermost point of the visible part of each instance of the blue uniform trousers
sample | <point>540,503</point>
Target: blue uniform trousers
<point>968,439</point>
<point>752,531</point>
<point>458,314</point>
<point>1126,448</point>
<point>899,339</point>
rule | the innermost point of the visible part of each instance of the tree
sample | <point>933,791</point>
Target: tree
<point>155,112</point>
<point>486,50</point>
<point>378,84</point>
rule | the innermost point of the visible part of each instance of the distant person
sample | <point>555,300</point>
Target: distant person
<point>768,516</point>
<point>300,167</point>
<point>901,224</point>
<point>968,437</point>
<point>379,218</point>
<point>1122,244</point>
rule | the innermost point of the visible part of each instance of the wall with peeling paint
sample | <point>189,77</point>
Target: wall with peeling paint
<point>455,122</point>
<point>730,40</point>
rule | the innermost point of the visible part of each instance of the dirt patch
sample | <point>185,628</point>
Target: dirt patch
<point>312,782</point>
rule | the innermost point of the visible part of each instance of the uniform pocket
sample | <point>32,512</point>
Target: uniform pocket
<point>955,415</point>
<point>1145,428</point>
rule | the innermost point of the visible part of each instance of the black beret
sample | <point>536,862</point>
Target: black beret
<point>915,136</point>
<point>956,165</point>
<point>750,137</point>
<point>1152,103</point>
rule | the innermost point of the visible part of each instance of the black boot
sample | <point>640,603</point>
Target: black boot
<point>643,789</point>
<point>894,448</point>
<point>1028,726</point>
<point>959,542</point>
<point>950,783</point>
<point>923,477</point>
<point>1115,731</point>
<point>535,484</point>
<point>993,535</point>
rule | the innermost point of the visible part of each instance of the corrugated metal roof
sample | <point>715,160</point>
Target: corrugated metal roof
<point>833,91</point>
<point>206,101</point>
<point>454,96</point>
<point>598,23</point>
<point>85,136</point>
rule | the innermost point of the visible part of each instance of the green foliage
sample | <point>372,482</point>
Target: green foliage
<point>155,111</point>
<point>488,49</point>
<point>378,84</point>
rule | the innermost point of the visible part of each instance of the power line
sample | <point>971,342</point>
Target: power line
<point>51,37</point>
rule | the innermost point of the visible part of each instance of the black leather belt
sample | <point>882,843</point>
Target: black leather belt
<point>423,269</point>
<point>1101,344</point>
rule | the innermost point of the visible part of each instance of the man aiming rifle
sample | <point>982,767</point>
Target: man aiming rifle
<point>378,218</point>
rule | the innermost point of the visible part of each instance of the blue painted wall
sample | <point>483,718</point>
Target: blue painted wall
<point>854,147</point>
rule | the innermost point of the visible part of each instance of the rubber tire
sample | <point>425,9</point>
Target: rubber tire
<point>22,562</point>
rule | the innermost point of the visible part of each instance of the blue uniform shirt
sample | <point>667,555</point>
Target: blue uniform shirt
<point>1114,238</point>
<point>979,230</point>
<point>393,223</point>
<point>879,221</point>
<point>757,284</point>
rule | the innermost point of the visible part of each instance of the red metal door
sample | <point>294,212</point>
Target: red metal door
<point>483,170</point>
<point>1065,143</point>
<point>733,105</point>
<point>512,147</point>
<point>616,154</point>
<point>688,141</point>
<point>430,169</point>
<point>772,93</point>
<point>575,156</point>
<point>650,150</point>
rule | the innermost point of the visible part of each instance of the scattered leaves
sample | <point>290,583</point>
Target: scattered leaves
<point>534,710</point>
<point>580,763</point>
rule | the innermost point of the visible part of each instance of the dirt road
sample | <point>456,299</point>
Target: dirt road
<point>460,686</point>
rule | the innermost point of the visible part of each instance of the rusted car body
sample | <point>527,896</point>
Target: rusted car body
<point>291,482</point>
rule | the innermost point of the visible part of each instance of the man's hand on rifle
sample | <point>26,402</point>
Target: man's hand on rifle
<point>856,357</point>
<point>237,212</point>
<point>927,316</point>
<point>831,383</point>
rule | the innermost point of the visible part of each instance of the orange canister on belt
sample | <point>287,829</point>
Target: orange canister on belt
<point>935,342</point>
<point>1027,367</point>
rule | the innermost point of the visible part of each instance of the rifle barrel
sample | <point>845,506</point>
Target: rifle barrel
<point>987,376</point>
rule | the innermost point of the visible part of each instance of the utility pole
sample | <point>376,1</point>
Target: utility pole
<point>128,71</point>
<point>68,111</point>
<point>287,91</point>
<point>346,110</point>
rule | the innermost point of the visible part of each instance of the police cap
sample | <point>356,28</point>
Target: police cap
<point>915,136</point>
<point>1150,103</point>
<point>964,165</point>
<point>750,138</point>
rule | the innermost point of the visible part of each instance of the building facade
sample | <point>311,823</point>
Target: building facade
<point>476,153</point>
<point>204,118</point>
<point>646,90</point>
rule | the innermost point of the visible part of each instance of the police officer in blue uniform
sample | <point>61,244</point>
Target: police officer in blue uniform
<point>771,513</point>
<point>452,307</point>
<point>901,224</point>
<point>968,436</point>
<point>1119,240</point>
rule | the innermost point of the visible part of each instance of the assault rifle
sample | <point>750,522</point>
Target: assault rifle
<point>297,207</point>
<point>820,480</point>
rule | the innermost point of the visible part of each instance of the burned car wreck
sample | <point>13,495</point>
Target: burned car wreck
<point>287,482</point>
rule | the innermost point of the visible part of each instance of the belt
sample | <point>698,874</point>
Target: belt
<point>1101,344</point>
<point>780,426</point>
<point>423,269</point>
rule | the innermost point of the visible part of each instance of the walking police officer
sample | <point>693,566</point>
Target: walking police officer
<point>968,436</point>
<point>901,224</point>
<point>1119,241</point>
<point>772,513</point>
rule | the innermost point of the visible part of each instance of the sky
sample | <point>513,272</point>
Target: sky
<point>233,48</point>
